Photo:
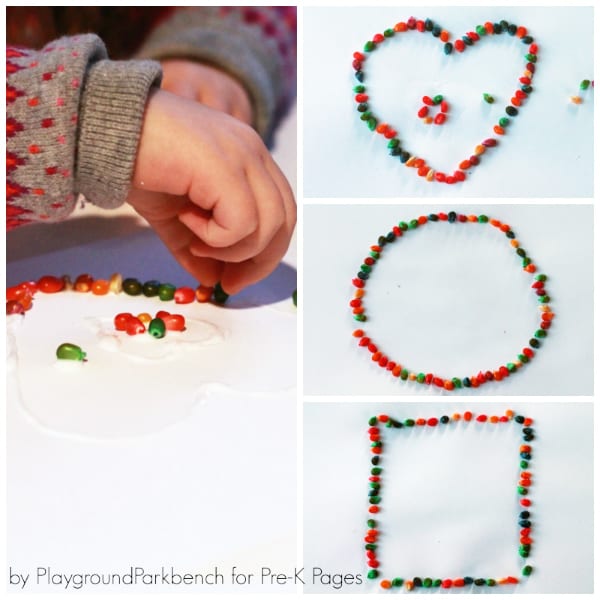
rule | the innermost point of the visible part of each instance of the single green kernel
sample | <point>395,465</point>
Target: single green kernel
<point>541,277</point>
<point>359,89</point>
<point>370,546</point>
<point>427,582</point>
<point>531,58</point>
<point>544,299</point>
<point>366,116</point>
<point>362,318</point>
<point>403,226</point>
<point>413,224</point>
<point>219,294</point>
<point>511,367</point>
<point>376,444</point>
<point>375,499</point>
<point>388,33</point>
<point>504,121</point>
<point>373,421</point>
<point>132,287</point>
<point>522,490</point>
<point>524,464</point>
<point>157,328</point>
<point>524,553</point>
<point>527,570</point>
<point>393,143</point>
<point>397,581</point>
<point>150,288</point>
<point>438,99</point>
<point>540,333</point>
<point>365,268</point>
<point>373,574</point>
<point>585,84</point>
<point>482,219</point>
<point>362,107</point>
<point>457,382</point>
<point>421,377</point>
<point>404,374</point>
<point>376,471</point>
<point>481,30</point>
<point>371,524</point>
<point>526,261</point>
<point>372,123</point>
<point>488,98</point>
<point>369,46</point>
<point>523,358</point>
<point>490,582</point>
<point>166,292</point>
<point>437,582</point>
<point>520,252</point>
<point>68,351</point>
<point>409,422</point>
<point>374,254</point>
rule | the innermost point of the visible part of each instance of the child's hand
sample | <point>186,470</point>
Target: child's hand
<point>209,187</point>
<point>208,85</point>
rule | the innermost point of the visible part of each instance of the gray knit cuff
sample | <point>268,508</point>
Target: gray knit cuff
<point>238,49</point>
<point>110,123</point>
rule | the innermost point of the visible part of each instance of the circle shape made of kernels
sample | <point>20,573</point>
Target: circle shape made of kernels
<point>451,382</point>
<point>360,62</point>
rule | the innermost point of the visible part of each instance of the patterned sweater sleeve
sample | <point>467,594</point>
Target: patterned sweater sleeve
<point>73,121</point>
<point>257,45</point>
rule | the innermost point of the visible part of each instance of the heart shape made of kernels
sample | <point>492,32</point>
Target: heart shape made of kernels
<point>422,168</point>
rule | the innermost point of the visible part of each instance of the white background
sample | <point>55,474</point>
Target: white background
<point>547,151</point>
<point>457,483</point>
<point>449,298</point>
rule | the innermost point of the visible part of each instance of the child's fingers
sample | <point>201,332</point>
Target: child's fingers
<point>232,209</point>
<point>271,217</point>
<point>236,276</point>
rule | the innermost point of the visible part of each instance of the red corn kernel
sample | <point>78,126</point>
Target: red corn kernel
<point>174,322</point>
<point>49,284</point>
<point>432,422</point>
<point>423,112</point>
<point>440,118</point>
<point>482,418</point>
<point>459,46</point>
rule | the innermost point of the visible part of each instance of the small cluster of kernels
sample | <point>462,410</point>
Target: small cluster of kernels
<point>374,496</point>
<point>19,298</point>
<point>440,118</point>
<point>489,28</point>
<point>156,327</point>
<point>474,381</point>
<point>584,85</point>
